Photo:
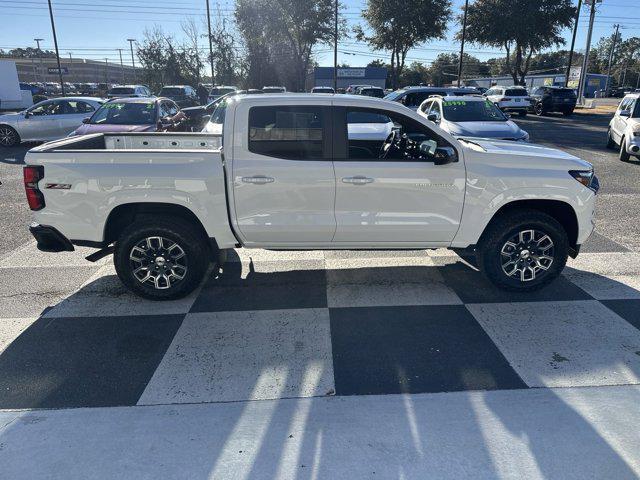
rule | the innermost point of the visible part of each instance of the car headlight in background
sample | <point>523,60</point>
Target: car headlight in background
<point>586,178</point>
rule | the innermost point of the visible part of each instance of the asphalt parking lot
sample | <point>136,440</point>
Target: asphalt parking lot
<point>328,364</point>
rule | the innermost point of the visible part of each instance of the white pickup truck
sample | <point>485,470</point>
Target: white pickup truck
<point>306,172</point>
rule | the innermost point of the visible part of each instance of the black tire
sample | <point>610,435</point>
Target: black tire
<point>622,153</point>
<point>539,109</point>
<point>173,231</point>
<point>522,113</point>
<point>493,263</point>
<point>610,143</point>
<point>8,136</point>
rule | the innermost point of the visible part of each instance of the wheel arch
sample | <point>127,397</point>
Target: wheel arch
<point>561,211</point>
<point>125,214</point>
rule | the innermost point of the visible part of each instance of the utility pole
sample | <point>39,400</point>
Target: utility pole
<point>585,63</point>
<point>70,64</point>
<point>335,48</point>
<point>210,42</point>
<point>464,32</point>
<point>121,65</point>
<point>133,62</point>
<point>38,40</point>
<point>613,47</point>
<point>573,43</point>
<point>55,43</point>
<point>106,72</point>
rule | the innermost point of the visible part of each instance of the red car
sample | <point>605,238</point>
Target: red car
<point>135,115</point>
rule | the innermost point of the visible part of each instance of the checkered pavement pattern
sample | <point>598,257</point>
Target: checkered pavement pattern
<point>299,324</point>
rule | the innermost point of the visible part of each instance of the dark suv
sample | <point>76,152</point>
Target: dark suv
<point>183,95</point>
<point>553,99</point>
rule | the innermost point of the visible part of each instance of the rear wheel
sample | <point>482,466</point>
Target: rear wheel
<point>622,154</point>
<point>161,258</point>
<point>523,251</point>
<point>539,109</point>
<point>8,136</point>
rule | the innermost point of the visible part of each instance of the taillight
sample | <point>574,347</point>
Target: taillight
<point>32,175</point>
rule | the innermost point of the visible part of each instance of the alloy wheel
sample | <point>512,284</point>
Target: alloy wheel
<point>527,255</point>
<point>7,137</point>
<point>158,262</point>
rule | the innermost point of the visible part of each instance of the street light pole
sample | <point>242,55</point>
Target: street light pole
<point>613,47</point>
<point>210,41</point>
<point>38,40</point>
<point>585,63</point>
<point>464,32</point>
<point>133,62</point>
<point>335,49</point>
<point>573,43</point>
<point>121,65</point>
<point>55,43</point>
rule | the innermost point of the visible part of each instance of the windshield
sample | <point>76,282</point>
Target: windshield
<point>221,91</point>
<point>516,92</point>
<point>120,113</point>
<point>463,111</point>
<point>121,90</point>
<point>393,96</point>
<point>372,92</point>
<point>171,92</point>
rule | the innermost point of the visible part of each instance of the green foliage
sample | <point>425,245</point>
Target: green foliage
<point>279,36</point>
<point>399,25</point>
<point>521,27</point>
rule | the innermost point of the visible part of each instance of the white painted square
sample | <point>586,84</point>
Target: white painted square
<point>250,355</point>
<point>104,295</point>
<point>382,283</point>
<point>610,287</point>
<point>563,344</point>
<point>30,256</point>
<point>12,328</point>
<point>610,263</point>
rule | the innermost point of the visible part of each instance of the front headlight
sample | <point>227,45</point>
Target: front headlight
<point>587,178</point>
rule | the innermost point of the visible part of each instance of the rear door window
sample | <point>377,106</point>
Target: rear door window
<point>287,132</point>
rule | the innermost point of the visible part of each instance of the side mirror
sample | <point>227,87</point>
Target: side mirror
<point>625,113</point>
<point>445,155</point>
<point>86,119</point>
<point>432,117</point>
<point>27,114</point>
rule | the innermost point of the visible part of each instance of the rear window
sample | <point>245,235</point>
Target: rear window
<point>221,91</point>
<point>287,132</point>
<point>516,92</point>
<point>563,92</point>
<point>121,91</point>
<point>171,91</point>
<point>372,92</point>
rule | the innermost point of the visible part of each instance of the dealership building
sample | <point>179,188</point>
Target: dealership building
<point>75,70</point>
<point>323,77</point>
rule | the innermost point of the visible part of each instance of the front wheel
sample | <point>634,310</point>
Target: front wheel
<point>161,258</point>
<point>523,251</point>
<point>539,109</point>
<point>610,143</point>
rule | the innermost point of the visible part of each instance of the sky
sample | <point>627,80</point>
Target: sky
<point>95,29</point>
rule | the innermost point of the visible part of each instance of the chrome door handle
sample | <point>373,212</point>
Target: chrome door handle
<point>258,179</point>
<point>359,180</point>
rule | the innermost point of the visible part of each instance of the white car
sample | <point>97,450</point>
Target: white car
<point>220,90</point>
<point>124,91</point>
<point>471,116</point>
<point>510,99</point>
<point>46,120</point>
<point>294,176</point>
<point>624,128</point>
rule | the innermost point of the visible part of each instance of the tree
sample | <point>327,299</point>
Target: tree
<point>521,27</point>
<point>399,25</point>
<point>279,36</point>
